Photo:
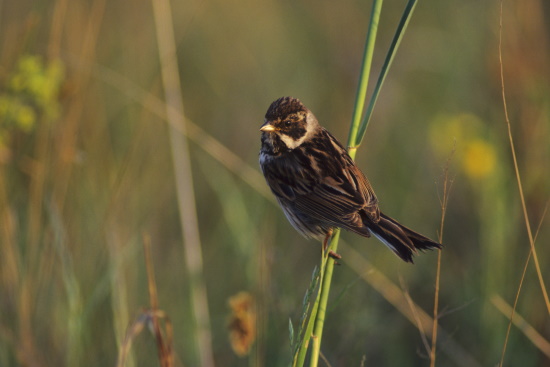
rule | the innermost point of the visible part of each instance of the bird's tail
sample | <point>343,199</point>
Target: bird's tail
<point>400,239</point>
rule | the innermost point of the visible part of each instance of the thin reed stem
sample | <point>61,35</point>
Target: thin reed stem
<point>444,201</point>
<point>164,348</point>
<point>327,271</point>
<point>396,297</point>
<point>300,355</point>
<point>324,290</point>
<point>184,182</point>
<point>396,41</point>
<point>501,363</point>
<point>528,330</point>
<point>516,168</point>
<point>191,130</point>
<point>357,132</point>
<point>364,76</point>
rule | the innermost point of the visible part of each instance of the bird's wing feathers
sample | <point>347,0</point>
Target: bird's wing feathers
<point>340,199</point>
<point>325,185</point>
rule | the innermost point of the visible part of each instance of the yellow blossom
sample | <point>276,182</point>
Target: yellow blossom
<point>479,159</point>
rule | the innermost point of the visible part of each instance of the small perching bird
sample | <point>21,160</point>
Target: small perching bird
<point>318,185</point>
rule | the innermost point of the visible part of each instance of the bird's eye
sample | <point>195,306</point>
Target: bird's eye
<point>288,123</point>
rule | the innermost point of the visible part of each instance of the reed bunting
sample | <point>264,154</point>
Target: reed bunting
<point>318,185</point>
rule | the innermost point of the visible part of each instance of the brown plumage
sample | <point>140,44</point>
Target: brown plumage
<point>318,185</point>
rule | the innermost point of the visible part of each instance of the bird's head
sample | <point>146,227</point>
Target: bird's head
<point>288,123</point>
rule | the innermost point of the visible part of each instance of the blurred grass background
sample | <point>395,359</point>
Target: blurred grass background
<point>86,170</point>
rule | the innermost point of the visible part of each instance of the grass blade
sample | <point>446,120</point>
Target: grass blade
<point>316,282</point>
<point>184,183</point>
<point>516,168</point>
<point>402,26</point>
<point>365,72</point>
<point>357,132</point>
<point>529,331</point>
<point>447,183</point>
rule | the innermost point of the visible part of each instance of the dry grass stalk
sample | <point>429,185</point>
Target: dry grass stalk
<point>183,177</point>
<point>447,183</point>
<point>530,332</point>
<point>150,318</point>
<point>513,308</point>
<point>516,169</point>
<point>394,295</point>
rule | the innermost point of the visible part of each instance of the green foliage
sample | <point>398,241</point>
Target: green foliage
<point>357,132</point>
<point>309,316</point>
<point>30,93</point>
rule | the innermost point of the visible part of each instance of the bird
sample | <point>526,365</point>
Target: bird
<point>318,185</point>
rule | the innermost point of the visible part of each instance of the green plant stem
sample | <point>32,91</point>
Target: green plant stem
<point>316,346</point>
<point>324,290</point>
<point>300,355</point>
<point>327,270</point>
<point>357,132</point>
<point>327,262</point>
<point>396,41</point>
<point>365,72</point>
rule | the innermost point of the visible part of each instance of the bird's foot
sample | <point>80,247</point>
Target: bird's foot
<point>326,240</point>
<point>334,255</point>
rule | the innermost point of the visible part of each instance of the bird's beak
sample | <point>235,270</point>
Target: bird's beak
<point>267,127</point>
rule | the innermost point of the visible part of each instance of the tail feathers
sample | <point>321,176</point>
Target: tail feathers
<point>400,239</point>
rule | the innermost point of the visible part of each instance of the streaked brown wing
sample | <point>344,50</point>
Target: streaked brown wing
<point>338,199</point>
<point>321,180</point>
<point>364,186</point>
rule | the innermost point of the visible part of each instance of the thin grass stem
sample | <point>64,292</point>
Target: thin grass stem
<point>519,291</point>
<point>364,76</point>
<point>324,290</point>
<point>357,132</point>
<point>184,183</point>
<point>396,297</point>
<point>396,41</point>
<point>300,356</point>
<point>327,271</point>
<point>192,130</point>
<point>164,347</point>
<point>516,168</point>
<point>527,329</point>
<point>444,201</point>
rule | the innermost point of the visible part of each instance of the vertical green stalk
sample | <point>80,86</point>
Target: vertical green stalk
<point>324,290</point>
<point>364,76</point>
<point>300,355</point>
<point>357,132</point>
<point>396,41</point>
<point>326,276</point>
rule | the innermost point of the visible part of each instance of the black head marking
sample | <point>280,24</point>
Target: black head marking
<point>289,123</point>
<point>284,107</point>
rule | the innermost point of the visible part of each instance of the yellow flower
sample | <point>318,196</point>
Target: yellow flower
<point>447,129</point>
<point>475,153</point>
<point>479,159</point>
